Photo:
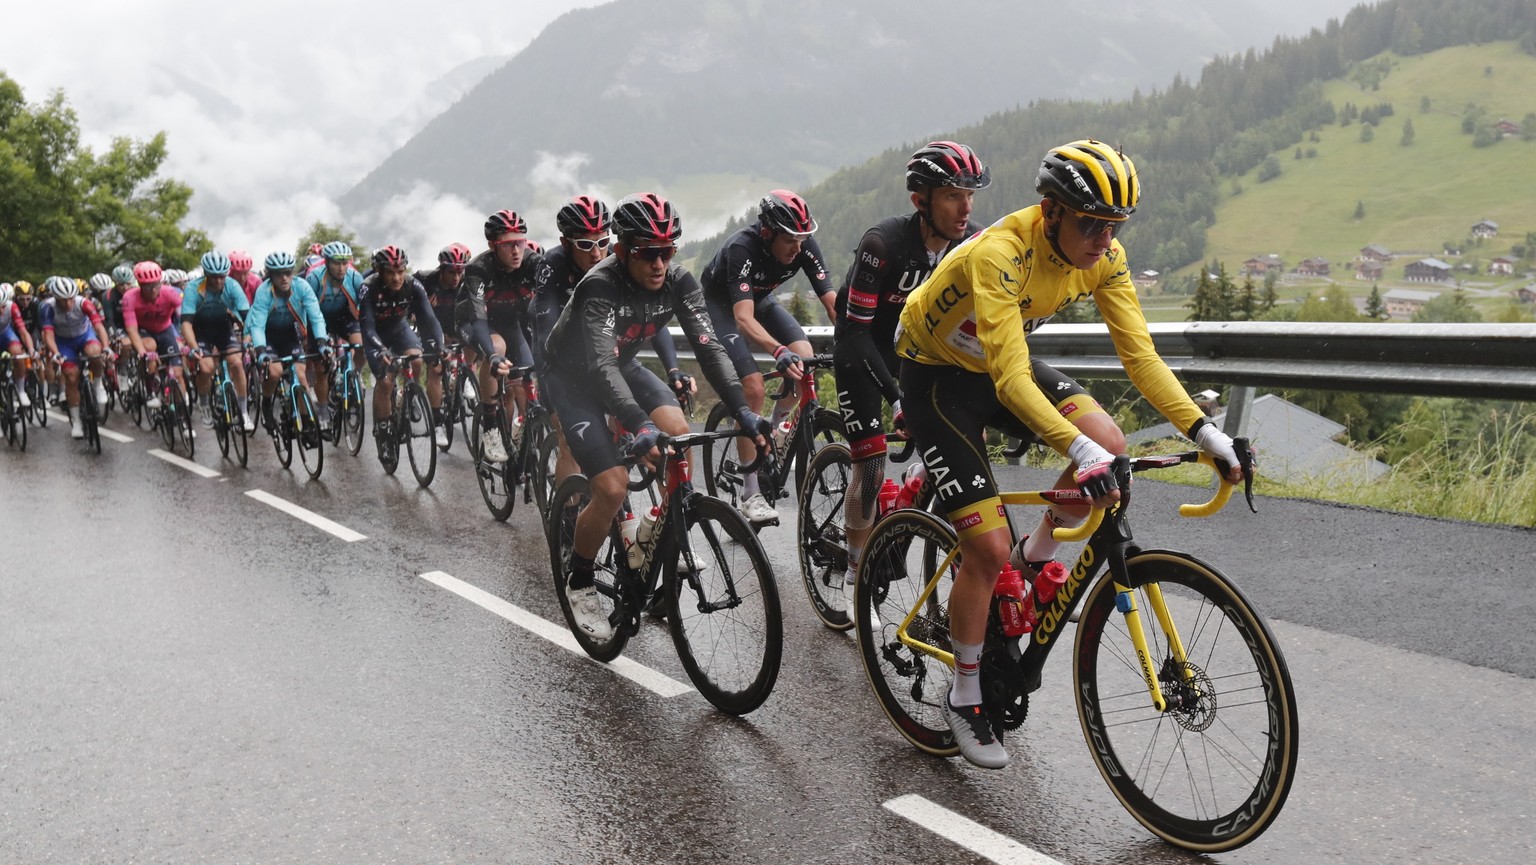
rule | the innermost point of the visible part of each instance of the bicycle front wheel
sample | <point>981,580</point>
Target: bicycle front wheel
<point>352,418</point>
<point>308,437</point>
<point>494,478</point>
<point>182,421</point>
<point>904,552</point>
<point>573,495</point>
<point>823,539</point>
<point>419,445</point>
<point>90,412</point>
<point>1212,772</point>
<point>723,609</point>
<point>546,470</point>
<point>224,417</point>
<point>466,400</point>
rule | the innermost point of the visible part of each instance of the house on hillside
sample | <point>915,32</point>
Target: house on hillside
<point>1527,294</point>
<point>1263,265</point>
<point>1370,271</point>
<point>1375,252</point>
<point>1427,270</point>
<point>1404,302</point>
<point>1485,229</point>
<point>1313,267</point>
<point>1146,279</point>
<point>1296,445</point>
<point>1502,265</point>
<point>1506,128</point>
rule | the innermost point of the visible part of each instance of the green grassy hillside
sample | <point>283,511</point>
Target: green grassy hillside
<point>1415,197</point>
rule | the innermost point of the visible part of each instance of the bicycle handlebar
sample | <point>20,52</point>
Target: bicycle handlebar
<point>685,441</point>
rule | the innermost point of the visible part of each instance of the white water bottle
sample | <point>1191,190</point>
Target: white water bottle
<point>627,531</point>
<point>645,534</point>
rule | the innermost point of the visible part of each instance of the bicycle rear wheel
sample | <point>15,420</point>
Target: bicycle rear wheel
<point>419,445</point>
<point>308,437</point>
<point>570,498</point>
<point>823,539</point>
<point>494,478</point>
<point>724,611</point>
<point>38,390</point>
<point>15,419</point>
<point>904,550</point>
<point>1212,772</point>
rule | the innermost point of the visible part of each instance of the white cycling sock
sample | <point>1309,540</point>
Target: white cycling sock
<point>966,690</point>
<point>1041,547</point>
<point>855,555</point>
<point>749,487</point>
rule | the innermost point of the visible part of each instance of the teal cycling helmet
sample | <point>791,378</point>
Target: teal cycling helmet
<point>336,251</point>
<point>280,260</point>
<point>215,263</point>
<point>123,274</point>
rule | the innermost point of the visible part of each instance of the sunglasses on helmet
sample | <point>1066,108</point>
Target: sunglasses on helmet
<point>586,245</point>
<point>654,253</point>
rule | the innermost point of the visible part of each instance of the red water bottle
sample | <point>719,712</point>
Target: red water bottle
<point>885,500</point>
<point>1050,580</point>
<point>1009,593</point>
<point>912,485</point>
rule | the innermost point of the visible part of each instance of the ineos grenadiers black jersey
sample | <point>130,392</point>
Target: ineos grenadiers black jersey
<point>744,269</point>
<point>890,260</point>
<point>607,320</point>
<point>492,294</point>
<point>442,298</point>
<point>381,310</point>
<point>552,290</point>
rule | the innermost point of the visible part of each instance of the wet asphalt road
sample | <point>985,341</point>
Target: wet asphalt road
<point>190,675</point>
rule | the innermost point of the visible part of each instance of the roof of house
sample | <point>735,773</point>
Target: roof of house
<point>1410,294</point>
<point>1376,248</point>
<point>1433,262</point>
<point>1488,222</point>
<point>1293,444</point>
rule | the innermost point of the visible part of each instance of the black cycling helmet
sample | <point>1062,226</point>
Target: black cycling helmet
<point>391,256</point>
<point>945,163</point>
<point>782,210</point>
<point>646,216</point>
<point>502,222</point>
<point>582,215</point>
<point>1090,177</point>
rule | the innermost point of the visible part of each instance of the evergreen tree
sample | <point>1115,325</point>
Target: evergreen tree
<point>322,232</point>
<point>1375,308</point>
<point>1247,306</point>
<point>800,308</point>
<point>1359,210</point>
<point>1367,133</point>
<point>1407,138</point>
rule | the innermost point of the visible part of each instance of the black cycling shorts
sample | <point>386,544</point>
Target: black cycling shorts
<point>774,318</point>
<point>861,403</point>
<point>585,421</point>
<point>948,410</point>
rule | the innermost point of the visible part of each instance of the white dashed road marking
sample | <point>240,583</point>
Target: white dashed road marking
<point>194,468</point>
<point>306,515</point>
<point>966,832</point>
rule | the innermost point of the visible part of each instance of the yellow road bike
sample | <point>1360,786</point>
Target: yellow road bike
<point>1183,695</point>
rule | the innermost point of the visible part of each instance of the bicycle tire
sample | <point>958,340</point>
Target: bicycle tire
<point>911,686</point>
<point>495,484</point>
<point>164,418</point>
<point>89,410</point>
<point>721,461</point>
<point>239,439</point>
<point>15,420</point>
<point>420,447</point>
<point>307,436</point>
<point>282,435</point>
<point>822,534</point>
<point>545,470</point>
<point>38,391</point>
<point>573,494</point>
<point>1241,720</point>
<point>725,617</point>
<point>183,422</point>
<point>353,416</point>
<point>466,400</point>
<point>221,417</point>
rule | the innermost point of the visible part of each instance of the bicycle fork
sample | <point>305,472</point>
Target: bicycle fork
<point>1125,603</point>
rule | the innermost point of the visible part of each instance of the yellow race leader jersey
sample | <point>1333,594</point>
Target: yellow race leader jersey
<point>987,295</point>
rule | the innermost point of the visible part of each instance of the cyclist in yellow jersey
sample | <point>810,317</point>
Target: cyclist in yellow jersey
<point>966,366</point>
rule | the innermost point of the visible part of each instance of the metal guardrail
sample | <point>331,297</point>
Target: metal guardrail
<point>1477,361</point>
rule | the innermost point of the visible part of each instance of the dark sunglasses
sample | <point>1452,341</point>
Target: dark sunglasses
<point>1093,226</point>
<point>654,253</point>
<point>591,245</point>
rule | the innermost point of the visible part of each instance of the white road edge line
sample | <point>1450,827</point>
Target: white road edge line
<point>111,435</point>
<point>658,683</point>
<point>190,466</point>
<point>306,515</point>
<point>966,832</point>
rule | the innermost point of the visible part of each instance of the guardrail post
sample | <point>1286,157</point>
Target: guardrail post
<point>1239,408</point>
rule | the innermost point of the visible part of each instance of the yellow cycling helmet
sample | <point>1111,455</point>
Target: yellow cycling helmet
<point>23,287</point>
<point>1090,177</point>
